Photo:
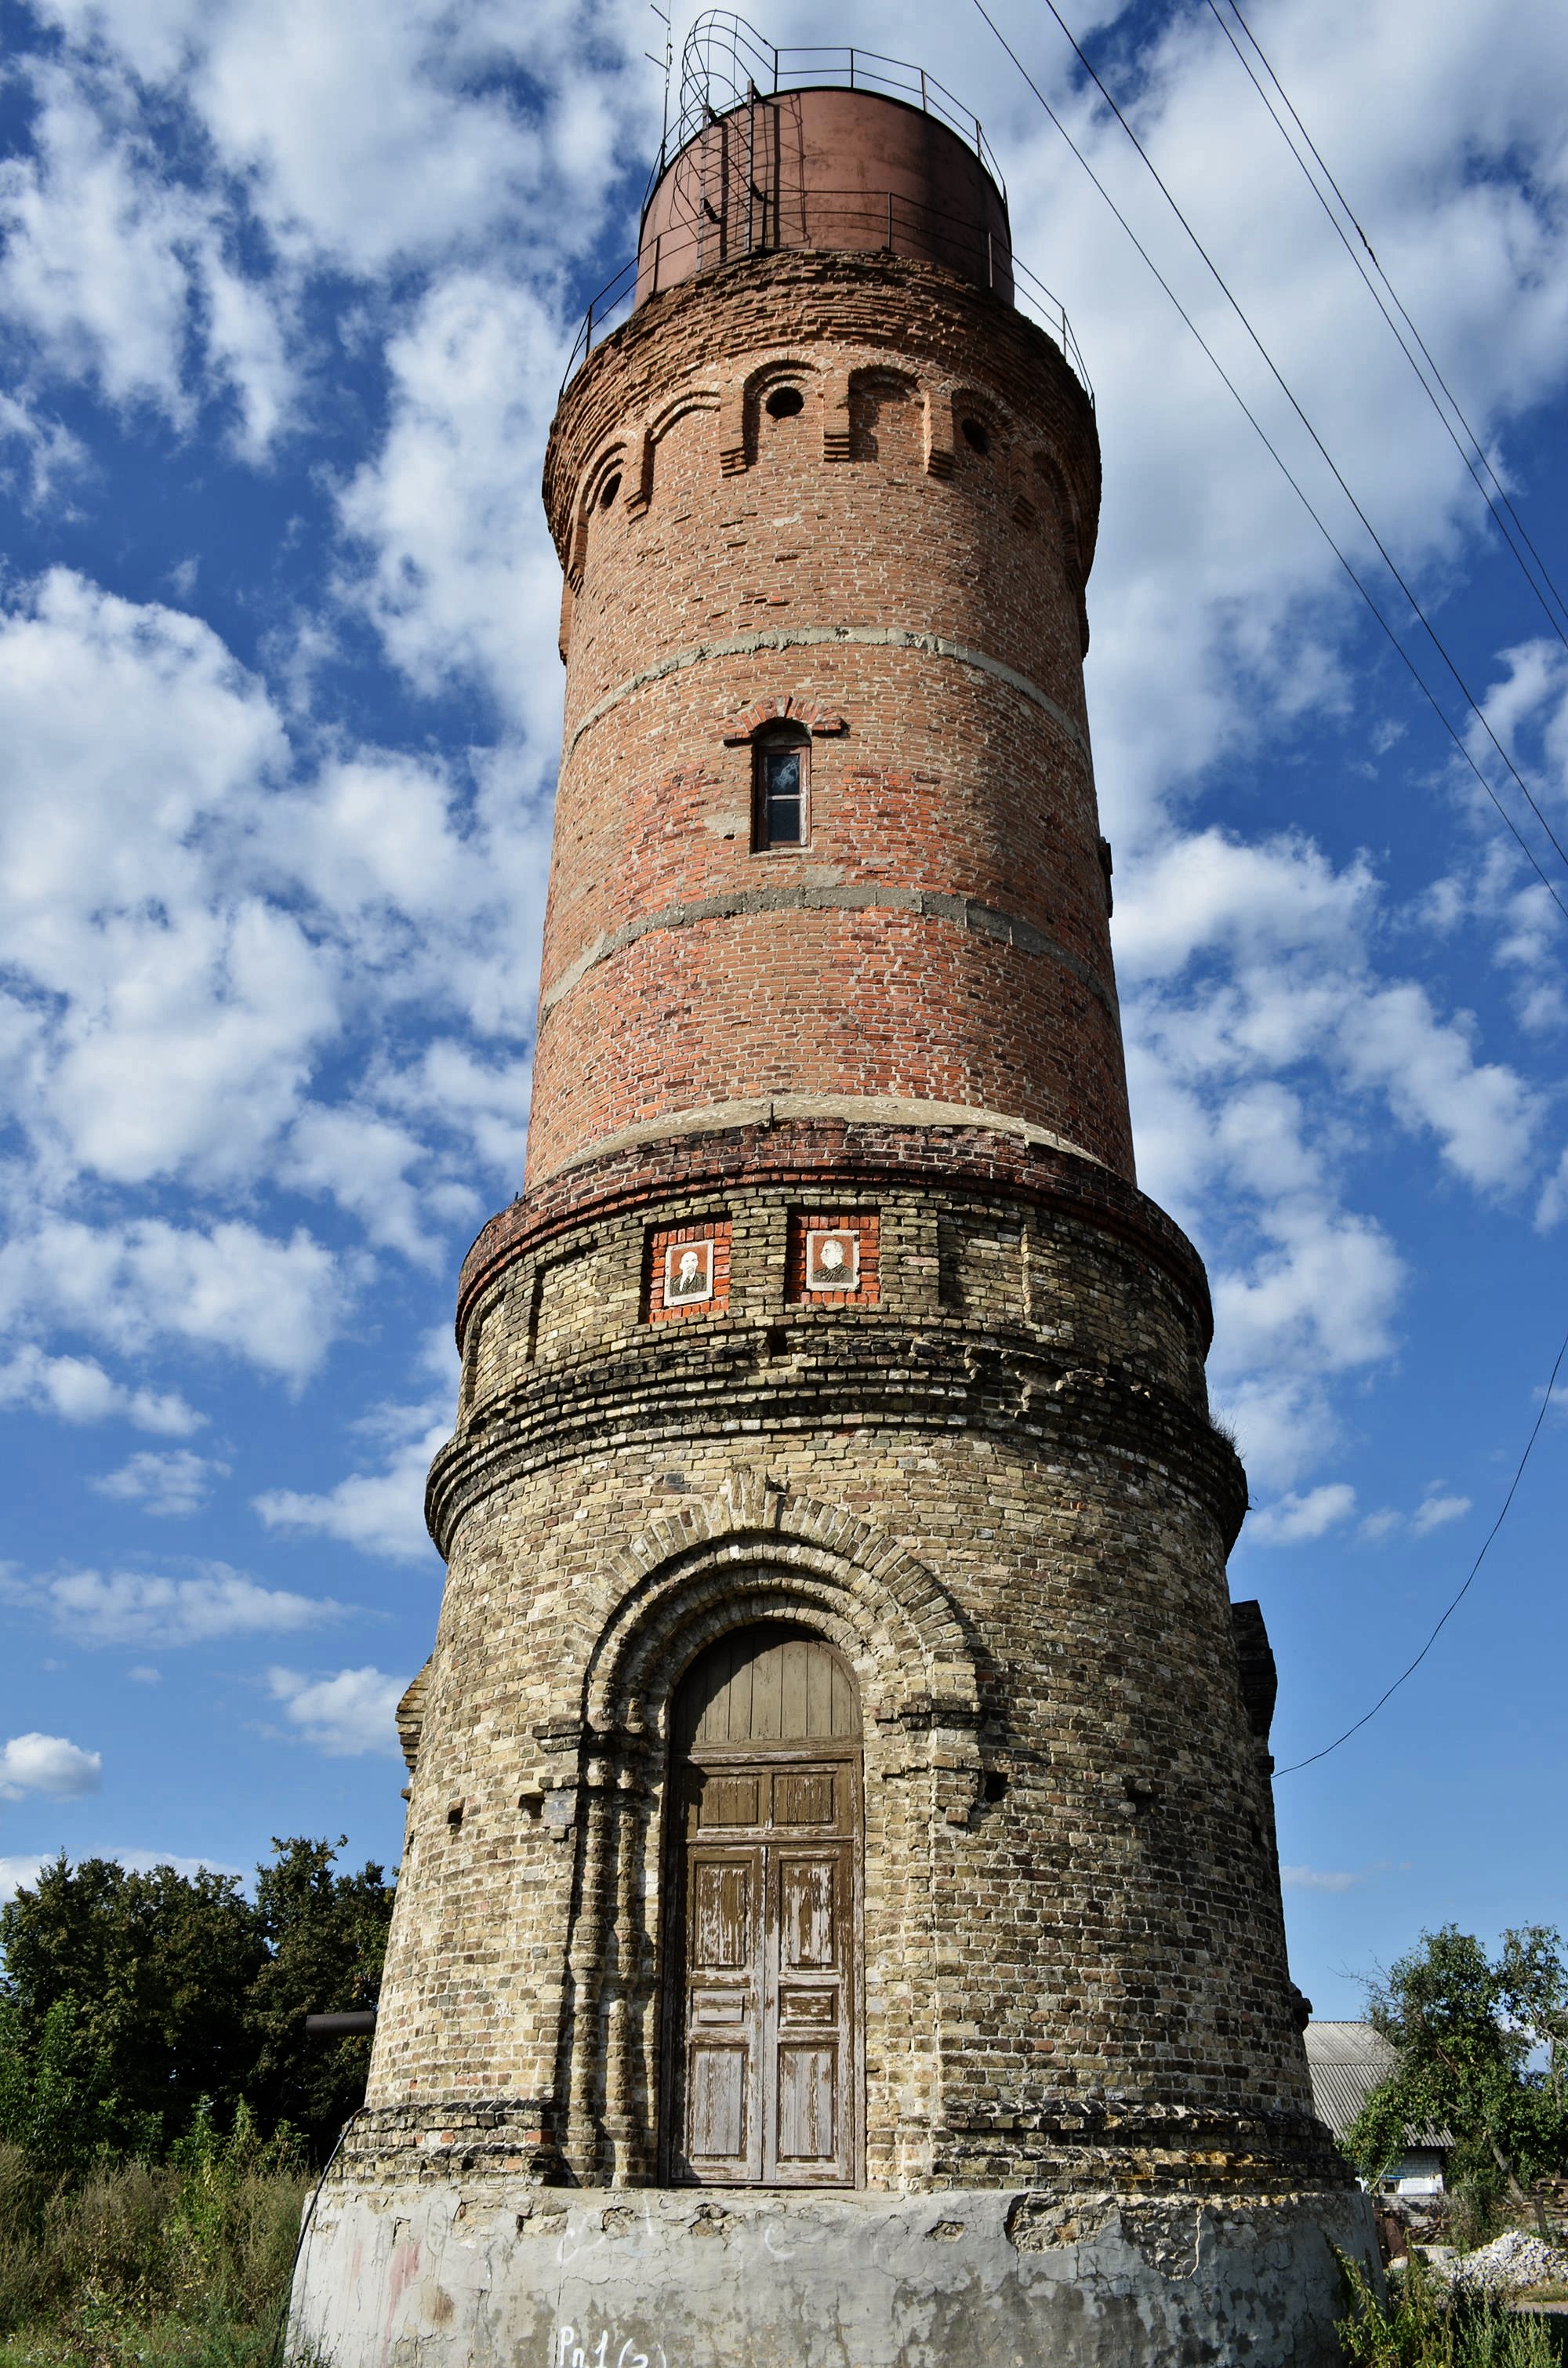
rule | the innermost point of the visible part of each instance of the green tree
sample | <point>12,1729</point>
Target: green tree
<point>1468,2030</point>
<point>56,2100</point>
<point>325,1935</point>
<point>1534,1991</point>
<point>137,2008</point>
<point>150,1971</point>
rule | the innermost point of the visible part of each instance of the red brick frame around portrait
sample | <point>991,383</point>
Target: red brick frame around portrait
<point>661,1238</point>
<point>866,1224</point>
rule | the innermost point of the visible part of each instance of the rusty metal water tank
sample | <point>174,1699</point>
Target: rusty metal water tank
<point>826,168</point>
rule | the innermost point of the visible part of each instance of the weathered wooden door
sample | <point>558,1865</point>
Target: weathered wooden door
<point>762,2007</point>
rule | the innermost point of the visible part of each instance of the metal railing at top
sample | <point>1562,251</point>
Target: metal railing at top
<point>725,60</point>
<point>906,228</point>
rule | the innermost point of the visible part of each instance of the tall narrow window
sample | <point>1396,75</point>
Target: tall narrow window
<point>781,790</point>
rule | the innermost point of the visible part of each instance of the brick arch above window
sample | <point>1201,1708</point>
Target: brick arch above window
<point>740,411</point>
<point>820,722</point>
<point>757,1550</point>
<point>610,462</point>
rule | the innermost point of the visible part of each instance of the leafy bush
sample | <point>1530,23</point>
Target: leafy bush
<point>1423,2326</point>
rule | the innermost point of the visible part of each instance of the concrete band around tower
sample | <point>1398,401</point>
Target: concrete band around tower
<point>839,1922</point>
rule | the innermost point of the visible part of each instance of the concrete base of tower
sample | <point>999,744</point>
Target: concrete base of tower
<point>422,2276</point>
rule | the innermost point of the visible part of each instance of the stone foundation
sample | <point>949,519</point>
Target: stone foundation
<point>422,2276</point>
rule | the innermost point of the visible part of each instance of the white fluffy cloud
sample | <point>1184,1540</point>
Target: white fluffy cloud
<point>386,131</point>
<point>228,1287</point>
<point>177,1483</point>
<point>193,921</point>
<point>134,1607</point>
<point>16,1873</point>
<point>78,1390</point>
<point>378,1512</point>
<point>35,453</point>
<point>356,141</point>
<point>92,265</point>
<point>124,277</point>
<point>1437,1509</point>
<point>1295,1520</point>
<point>1267,1053</point>
<point>48,1763</point>
<point>460,574</point>
<point>343,1715</point>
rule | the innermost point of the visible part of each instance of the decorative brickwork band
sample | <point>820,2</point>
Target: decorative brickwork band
<point>967,912</point>
<point>808,637</point>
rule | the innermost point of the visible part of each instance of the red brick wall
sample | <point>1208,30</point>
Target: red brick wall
<point>943,936</point>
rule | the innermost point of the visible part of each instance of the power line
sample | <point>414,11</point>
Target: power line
<point>1505,516</point>
<point>1283,466</point>
<point>1285,387</point>
<point>1314,1756</point>
<point>1417,677</point>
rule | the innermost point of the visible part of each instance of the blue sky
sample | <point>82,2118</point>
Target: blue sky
<point>285,291</point>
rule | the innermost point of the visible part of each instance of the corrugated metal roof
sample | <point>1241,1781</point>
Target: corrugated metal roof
<point>1347,2061</point>
<point>1349,2043</point>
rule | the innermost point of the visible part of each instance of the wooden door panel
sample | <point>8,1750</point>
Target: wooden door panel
<point>806,2008</point>
<point>719,2090</point>
<point>768,2042</point>
<point>805,1796</point>
<point>809,1912</point>
<point>808,2137</point>
<point>809,2038</point>
<point>723,1923</point>
<point>720,2121</point>
<point>716,2009</point>
<point>729,1801</point>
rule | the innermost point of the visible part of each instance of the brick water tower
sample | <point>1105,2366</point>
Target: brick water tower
<point>839,1923</point>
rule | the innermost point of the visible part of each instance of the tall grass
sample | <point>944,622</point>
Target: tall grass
<point>175,2265</point>
<point>1423,2326</point>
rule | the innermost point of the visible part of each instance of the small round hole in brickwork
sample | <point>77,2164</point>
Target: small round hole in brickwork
<point>976,435</point>
<point>996,1786</point>
<point>785,402</point>
<point>612,488</point>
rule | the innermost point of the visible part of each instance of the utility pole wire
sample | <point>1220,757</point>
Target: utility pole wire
<point>1314,1756</point>
<point>1421,685</point>
<point>1505,516</point>
<point>1278,457</point>
<point>1283,384</point>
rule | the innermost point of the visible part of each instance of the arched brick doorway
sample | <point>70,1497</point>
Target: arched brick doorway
<point>762,1998</point>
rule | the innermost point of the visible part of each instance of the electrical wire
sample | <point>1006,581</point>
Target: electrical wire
<point>1314,1756</point>
<point>1284,467</point>
<point>1505,516</point>
<point>1417,677</point>
<point>1283,384</point>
